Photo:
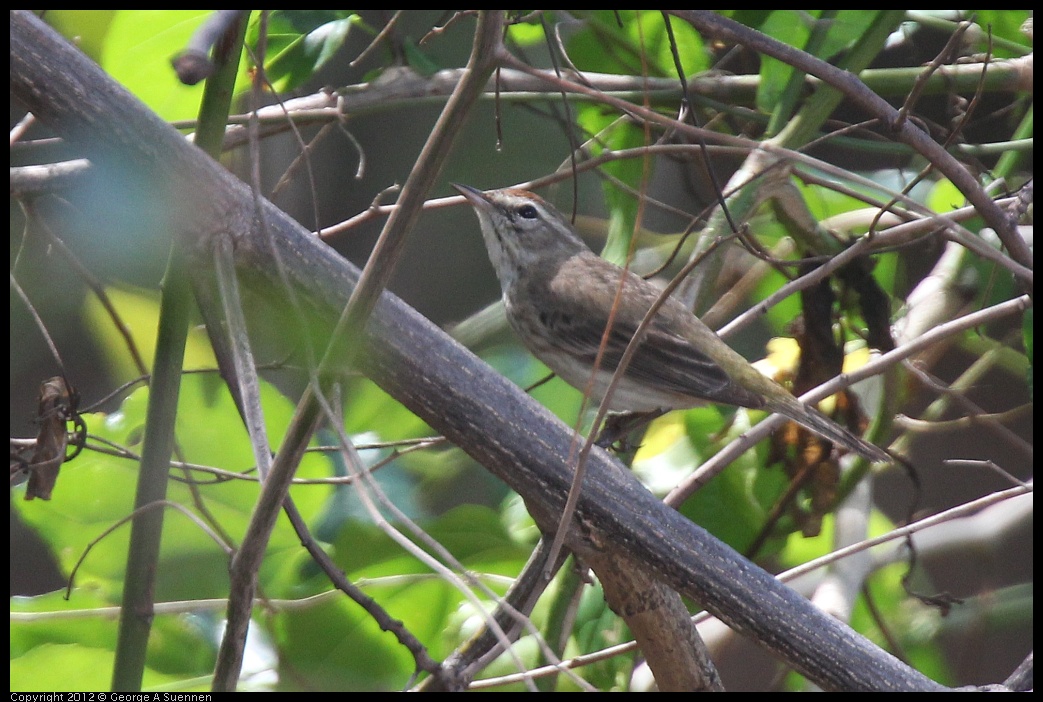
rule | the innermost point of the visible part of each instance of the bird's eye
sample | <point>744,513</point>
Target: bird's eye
<point>528,212</point>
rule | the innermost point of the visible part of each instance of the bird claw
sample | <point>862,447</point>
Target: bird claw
<point>614,435</point>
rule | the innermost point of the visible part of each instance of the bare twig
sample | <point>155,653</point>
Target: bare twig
<point>723,457</point>
<point>857,91</point>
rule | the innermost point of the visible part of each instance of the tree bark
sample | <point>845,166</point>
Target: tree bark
<point>442,382</point>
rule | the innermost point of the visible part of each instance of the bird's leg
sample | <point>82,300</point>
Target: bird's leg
<point>619,425</point>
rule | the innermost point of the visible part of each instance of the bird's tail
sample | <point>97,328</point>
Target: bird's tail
<point>825,427</point>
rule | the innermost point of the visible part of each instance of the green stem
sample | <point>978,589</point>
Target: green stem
<point>805,125</point>
<point>1009,161</point>
<point>140,579</point>
<point>164,391</point>
<point>795,85</point>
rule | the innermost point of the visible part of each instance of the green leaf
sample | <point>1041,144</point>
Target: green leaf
<point>138,310</point>
<point>612,134</point>
<point>88,28</point>
<point>300,42</point>
<point>734,505</point>
<point>48,651</point>
<point>419,59</point>
<point>526,34</point>
<point>640,47</point>
<point>70,668</point>
<point>945,197</point>
<point>791,27</point>
<point>337,646</point>
<point>474,534</point>
<point>96,490</point>
<point>598,627</point>
<point>137,51</point>
<point>824,203</point>
<point>1006,25</point>
<point>795,27</point>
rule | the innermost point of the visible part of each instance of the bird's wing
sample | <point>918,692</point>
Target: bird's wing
<point>664,360</point>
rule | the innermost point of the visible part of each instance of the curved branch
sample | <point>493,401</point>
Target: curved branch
<point>440,381</point>
<point>715,25</point>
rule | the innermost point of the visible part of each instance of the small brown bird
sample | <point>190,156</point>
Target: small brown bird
<point>558,295</point>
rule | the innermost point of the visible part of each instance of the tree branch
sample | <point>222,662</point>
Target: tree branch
<point>443,383</point>
<point>714,25</point>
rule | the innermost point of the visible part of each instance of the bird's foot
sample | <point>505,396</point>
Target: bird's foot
<point>615,433</point>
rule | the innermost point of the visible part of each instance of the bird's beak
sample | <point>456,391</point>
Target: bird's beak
<point>473,195</point>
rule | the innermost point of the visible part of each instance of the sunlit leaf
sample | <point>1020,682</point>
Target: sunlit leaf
<point>300,42</point>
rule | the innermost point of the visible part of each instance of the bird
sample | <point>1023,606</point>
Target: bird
<point>558,296</point>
